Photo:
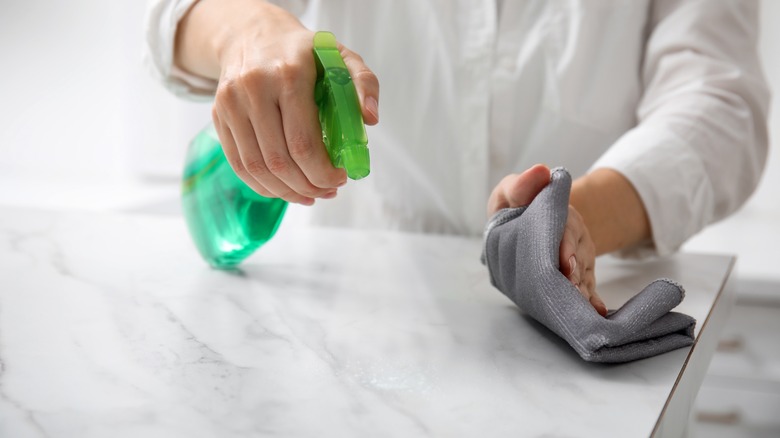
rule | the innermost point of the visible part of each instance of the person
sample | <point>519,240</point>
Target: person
<point>658,108</point>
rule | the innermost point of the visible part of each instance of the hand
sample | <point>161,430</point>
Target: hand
<point>577,252</point>
<point>264,109</point>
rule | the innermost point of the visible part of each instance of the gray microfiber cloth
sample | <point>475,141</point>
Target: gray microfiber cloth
<point>521,253</point>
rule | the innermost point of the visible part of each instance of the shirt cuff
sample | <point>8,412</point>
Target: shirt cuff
<point>161,24</point>
<point>671,181</point>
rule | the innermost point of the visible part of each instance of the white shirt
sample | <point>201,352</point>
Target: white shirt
<point>668,93</point>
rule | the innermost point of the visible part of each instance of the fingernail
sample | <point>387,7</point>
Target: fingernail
<point>372,106</point>
<point>330,195</point>
<point>572,263</point>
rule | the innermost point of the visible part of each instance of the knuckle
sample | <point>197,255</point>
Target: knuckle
<point>311,192</point>
<point>277,164</point>
<point>367,76</point>
<point>300,148</point>
<point>330,177</point>
<point>291,196</point>
<point>569,243</point>
<point>248,82</point>
<point>351,55</point>
<point>257,168</point>
<point>253,83</point>
<point>227,90</point>
<point>507,181</point>
<point>344,51</point>
<point>262,191</point>
<point>571,223</point>
<point>288,72</point>
<point>574,214</point>
<point>335,179</point>
<point>238,166</point>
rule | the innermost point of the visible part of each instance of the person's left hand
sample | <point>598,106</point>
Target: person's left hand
<point>577,252</point>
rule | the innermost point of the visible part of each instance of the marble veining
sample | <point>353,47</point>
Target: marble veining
<point>111,325</point>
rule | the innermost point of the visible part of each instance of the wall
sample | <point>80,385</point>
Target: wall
<point>77,101</point>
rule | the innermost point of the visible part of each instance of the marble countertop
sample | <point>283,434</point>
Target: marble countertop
<point>111,325</point>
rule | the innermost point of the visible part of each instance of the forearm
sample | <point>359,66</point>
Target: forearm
<point>612,210</point>
<point>211,26</point>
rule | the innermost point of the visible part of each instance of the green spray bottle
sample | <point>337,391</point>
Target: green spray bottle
<point>227,220</point>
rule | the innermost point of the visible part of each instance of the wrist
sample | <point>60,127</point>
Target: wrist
<point>212,30</point>
<point>250,22</point>
<point>611,209</point>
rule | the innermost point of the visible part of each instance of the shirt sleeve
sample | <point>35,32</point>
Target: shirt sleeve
<point>699,148</point>
<point>162,18</point>
<point>161,22</point>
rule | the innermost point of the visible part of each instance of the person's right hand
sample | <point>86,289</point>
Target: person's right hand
<point>264,109</point>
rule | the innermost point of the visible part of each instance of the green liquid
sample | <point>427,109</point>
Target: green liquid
<point>228,221</point>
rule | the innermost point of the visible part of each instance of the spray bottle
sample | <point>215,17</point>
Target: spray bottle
<point>227,220</point>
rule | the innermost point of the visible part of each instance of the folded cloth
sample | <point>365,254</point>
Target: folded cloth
<point>521,253</point>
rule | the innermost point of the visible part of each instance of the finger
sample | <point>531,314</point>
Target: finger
<point>597,302</point>
<point>576,280</point>
<point>366,84</point>
<point>527,185</point>
<point>587,274</point>
<point>271,160</point>
<point>567,254</point>
<point>518,190</point>
<point>253,162</point>
<point>573,234</point>
<point>233,158</point>
<point>303,134</point>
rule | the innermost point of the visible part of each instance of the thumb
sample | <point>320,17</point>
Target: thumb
<point>366,84</point>
<point>518,190</point>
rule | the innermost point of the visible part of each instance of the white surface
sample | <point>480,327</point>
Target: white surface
<point>112,325</point>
